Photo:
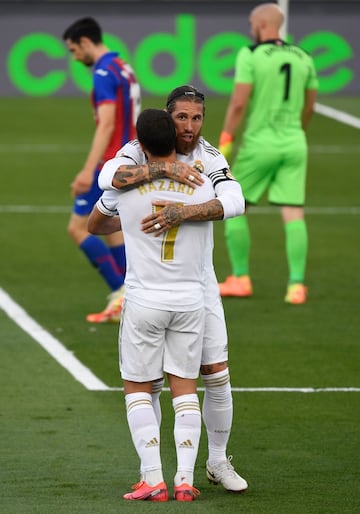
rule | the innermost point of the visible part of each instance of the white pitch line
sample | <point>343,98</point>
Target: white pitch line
<point>63,209</point>
<point>274,389</point>
<point>334,149</point>
<point>297,389</point>
<point>309,210</point>
<point>335,114</point>
<point>82,374</point>
<point>324,110</point>
<point>43,148</point>
<point>35,209</point>
<point>63,356</point>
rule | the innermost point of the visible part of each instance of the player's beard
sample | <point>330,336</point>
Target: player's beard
<point>88,60</point>
<point>185,147</point>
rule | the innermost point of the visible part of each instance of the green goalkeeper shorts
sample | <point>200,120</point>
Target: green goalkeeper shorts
<point>279,168</point>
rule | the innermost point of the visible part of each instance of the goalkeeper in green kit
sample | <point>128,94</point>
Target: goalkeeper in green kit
<point>275,89</point>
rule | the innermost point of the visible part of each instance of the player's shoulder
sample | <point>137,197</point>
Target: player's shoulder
<point>270,46</point>
<point>101,67</point>
<point>110,58</point>
<point>133,144</point>
<point>111,66</point>
<point>207,159</point>
<point>132,150</point>
<point>297,48</point>
<point>207,149</point>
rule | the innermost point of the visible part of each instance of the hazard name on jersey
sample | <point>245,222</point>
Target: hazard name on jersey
<point>165,185</point>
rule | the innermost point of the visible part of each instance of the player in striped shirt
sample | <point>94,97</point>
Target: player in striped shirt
<point>116,103</point>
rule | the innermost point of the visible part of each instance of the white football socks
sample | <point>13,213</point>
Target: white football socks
<point>217,414</point>
<point>157,386</point>
<point>145,434</point>
<point>187,428</point>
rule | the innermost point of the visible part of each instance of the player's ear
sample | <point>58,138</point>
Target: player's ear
<point>84,42</point>
<point>263,23</point>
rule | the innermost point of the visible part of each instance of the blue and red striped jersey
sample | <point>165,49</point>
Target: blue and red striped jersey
<point>114,81</point>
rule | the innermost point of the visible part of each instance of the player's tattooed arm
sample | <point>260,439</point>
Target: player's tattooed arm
<point>182,172</point>
<point>156,170</point>
<point>100,224</point>
<point>172,215</point>
<point>129,176</point>
<point>207,211</point>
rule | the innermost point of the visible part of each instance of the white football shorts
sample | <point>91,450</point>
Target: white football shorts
<point>153,341</point>
<point>215,344</point>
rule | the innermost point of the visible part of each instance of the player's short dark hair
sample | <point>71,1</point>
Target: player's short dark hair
<point>84,27</point>
<point>156,131</point>
<point>186,92</point>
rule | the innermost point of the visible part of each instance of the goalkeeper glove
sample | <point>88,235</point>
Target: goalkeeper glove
<point>226,143</point>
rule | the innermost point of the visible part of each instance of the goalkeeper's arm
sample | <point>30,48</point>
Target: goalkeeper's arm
<point>234,116</point>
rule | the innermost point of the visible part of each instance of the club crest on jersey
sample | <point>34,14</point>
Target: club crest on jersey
<point>198,165</point>
<point>101,72</point>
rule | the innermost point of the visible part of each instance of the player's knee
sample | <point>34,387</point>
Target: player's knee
<point>210,369</point>
<point>218,387</point>
<point>77,232</point>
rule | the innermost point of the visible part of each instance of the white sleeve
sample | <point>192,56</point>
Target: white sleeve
<point>107,203</point>
<point>227,188</point>
<point>107,174</point>
<point>129,154</point>
<point>230,194</point>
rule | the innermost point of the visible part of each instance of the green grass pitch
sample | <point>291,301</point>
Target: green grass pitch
<point>65,449</point>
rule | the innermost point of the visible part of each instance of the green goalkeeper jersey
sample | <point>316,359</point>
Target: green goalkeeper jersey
<point>280,74</point>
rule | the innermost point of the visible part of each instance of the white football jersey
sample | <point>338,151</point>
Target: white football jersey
<point>166,272</point>
<point>228,191</point>
<point>205,158</point>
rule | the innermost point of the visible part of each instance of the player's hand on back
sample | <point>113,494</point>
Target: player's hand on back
<point>182,172</point>
<point>166,216</point>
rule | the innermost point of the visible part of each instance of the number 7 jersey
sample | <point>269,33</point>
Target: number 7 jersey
<point>167,272</point>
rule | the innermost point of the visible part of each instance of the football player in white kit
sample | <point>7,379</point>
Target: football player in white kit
<point>195,159</point>
<point>162,323</point>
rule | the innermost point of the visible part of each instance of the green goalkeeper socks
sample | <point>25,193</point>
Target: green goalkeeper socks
<point>237,237</point>
<point>296,250</point>
<point>238,242</point>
